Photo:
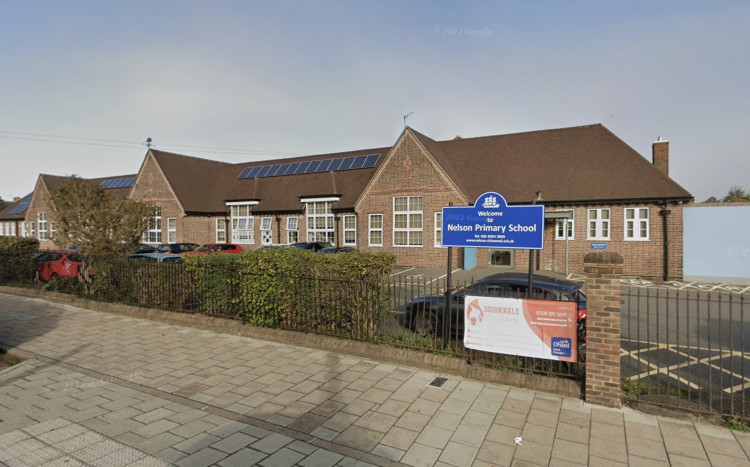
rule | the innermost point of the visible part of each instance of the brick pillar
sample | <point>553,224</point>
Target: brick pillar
<point>603,270</point>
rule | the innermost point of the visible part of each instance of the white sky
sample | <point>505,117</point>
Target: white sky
<point>275,79</point>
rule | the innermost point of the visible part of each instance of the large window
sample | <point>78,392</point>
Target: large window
<point>153,230</point>
<point>243,224</point>
<point>350,230</point>
<point>438,229</point>
<point>292,233</point>
<point>598,224</point>
<point>565,228</point>
<point>319,218</point>
<point>221,230</point>
<point>266,234</point>
<point>171,230</point>
<point>42,220</point>
<point>636,224</point>
<point>407,221</point>
<point>375,230</point>
<point>51,230</point>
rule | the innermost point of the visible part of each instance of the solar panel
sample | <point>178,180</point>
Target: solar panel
<point>335,164</point>
<point>313,167</point>
<point>22,205</point>
<point>359,161</point>
<point>294,168</point>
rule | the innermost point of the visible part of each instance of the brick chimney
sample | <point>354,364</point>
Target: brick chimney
<point>660,155</point>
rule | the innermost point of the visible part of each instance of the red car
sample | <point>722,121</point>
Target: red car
<point>54,264</point>
<point>229,248</point>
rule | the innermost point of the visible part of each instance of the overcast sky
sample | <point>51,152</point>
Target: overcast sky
<point>84,83</point>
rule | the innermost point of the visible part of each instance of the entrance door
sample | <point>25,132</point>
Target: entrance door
<point>502,258</point>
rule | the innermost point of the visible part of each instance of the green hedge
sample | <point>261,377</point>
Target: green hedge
<point>17,259</point>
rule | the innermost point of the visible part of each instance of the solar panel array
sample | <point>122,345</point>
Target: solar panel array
<point>308,167</point>
<point>118,183</point>
<point>21,206</point>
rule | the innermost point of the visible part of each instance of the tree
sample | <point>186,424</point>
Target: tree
<point>712,199</point>
<point>2,203</point>
<point>736,193</point>
<point>95,220</point>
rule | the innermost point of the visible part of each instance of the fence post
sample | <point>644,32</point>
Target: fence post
<point>603,270</point>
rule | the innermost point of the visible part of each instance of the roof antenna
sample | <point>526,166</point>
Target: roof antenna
<point>148,142</point>
<point>405,117</point>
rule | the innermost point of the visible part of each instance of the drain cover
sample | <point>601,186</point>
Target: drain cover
<point>438,382</point>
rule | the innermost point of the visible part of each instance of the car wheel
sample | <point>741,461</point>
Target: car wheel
<point>424,322</point>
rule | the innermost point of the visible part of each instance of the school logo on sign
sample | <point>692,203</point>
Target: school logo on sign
<point>562,347</point>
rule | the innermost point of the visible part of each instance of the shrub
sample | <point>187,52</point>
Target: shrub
<point>17,259</point>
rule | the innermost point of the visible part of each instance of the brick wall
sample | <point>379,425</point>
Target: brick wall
<point>408,171</point>
<point>40,203</point>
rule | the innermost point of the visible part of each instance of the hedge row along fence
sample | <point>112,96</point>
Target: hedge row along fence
<point>345,295</point>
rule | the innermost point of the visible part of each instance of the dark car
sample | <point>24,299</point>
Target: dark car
<point>314,246</point>
<point>337,249</point>
<point>157,257</point>
<point>424,313</point>
<point>176,248</point>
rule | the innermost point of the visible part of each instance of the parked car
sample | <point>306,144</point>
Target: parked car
<point>52,264</point>
<point>176,248</point>
<point>424,313</point>
<point>337,249</point>
<point>157,257</point>
<point>314,246</point>
<point>226,248</point>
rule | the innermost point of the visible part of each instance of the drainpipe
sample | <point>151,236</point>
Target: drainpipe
<point>665,224</point>
<point>278,229</point>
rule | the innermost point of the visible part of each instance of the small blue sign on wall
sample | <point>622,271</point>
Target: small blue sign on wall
<point>491,223</point>
<point>599,246</point>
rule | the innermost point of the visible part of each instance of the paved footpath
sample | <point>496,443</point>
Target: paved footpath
<point>110,390</point>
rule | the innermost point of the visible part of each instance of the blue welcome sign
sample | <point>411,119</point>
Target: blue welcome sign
<point>491,223</point>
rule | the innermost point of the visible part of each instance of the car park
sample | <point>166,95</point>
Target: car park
<point>314,246</point>
<point>425,313</point>
<point>224,248</point>
<point>337,249</point>
<point>52,264</point>
<point>176,248</point>
<point>157,257</point>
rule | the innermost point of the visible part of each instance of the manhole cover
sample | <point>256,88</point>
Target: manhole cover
<point>438,382</point>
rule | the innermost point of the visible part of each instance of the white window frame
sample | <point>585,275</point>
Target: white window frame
<point>438,237</point>
<point>243,223</point>
<point>292,229</point>
<point>371,229</point>
<point>351,239</point>
<point>599,225</point>
<point>411,216</point>
<point>221,230</point>
<point>52,230</point>
<point>171,230</point>
<point>633,227</point>
<point>42,224</point>
<point>266,231</point>
<point>153,229</point>
<point>560,225</point>
<point>32,229</point>
<point>320,221</point>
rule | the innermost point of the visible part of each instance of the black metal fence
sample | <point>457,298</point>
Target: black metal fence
<point>687,349</point>
<point>375,311</point>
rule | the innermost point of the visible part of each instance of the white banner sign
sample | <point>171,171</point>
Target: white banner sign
<point>528,328</point>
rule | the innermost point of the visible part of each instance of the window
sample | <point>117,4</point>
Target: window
<point>266,235</point>
<point>407,221</point>
<point>350,230</point>
<point>51,230</point>
<point>12,229</point>
<point>171,230</point>
<point>221,230</point>
<point>636,224</point>
<point>243,224</point>
<point>153,230</point>
<point>438,229</point>
<point>598,224</point>
<point>565,228</point>
<point>42,220</point>
<point>32,229</point>
<point>292,235</point>
<point>320,226</point>
<point>375,230</point>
